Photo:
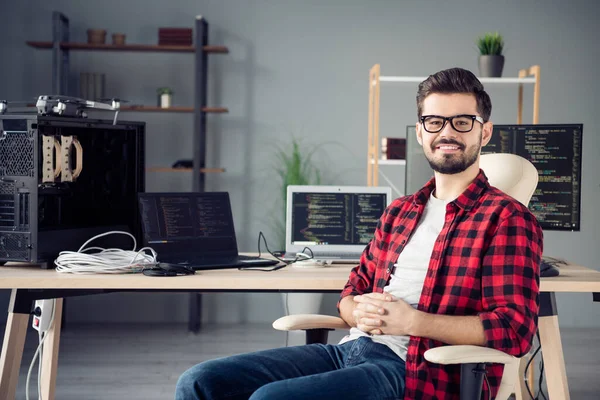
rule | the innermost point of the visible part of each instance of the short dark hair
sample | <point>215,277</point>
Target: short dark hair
<point>455,80</point>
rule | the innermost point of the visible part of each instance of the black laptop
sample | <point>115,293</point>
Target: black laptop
<point>193,229</point>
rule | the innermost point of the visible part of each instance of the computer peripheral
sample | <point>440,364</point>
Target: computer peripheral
<point>549,267</point>
<point>166,269</point>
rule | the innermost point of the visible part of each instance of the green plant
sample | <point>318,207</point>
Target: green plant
<point>490,44</point>
<point>164,90</point>
<point>294,167</point>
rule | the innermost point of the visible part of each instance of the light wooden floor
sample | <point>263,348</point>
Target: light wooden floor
<point>144,361</point>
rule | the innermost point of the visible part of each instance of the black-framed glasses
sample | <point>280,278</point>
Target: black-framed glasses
<point>461,123</point>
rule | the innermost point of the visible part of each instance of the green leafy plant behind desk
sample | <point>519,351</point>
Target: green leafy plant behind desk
<point>294,167</point>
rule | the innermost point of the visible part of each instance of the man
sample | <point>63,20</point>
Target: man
<point>455,263</point>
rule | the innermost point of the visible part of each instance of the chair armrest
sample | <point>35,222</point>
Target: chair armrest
<point>465,354</point>
<point>309,321</point>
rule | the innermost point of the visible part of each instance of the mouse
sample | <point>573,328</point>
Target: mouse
<point>166,269</point>
<point>548,269</point>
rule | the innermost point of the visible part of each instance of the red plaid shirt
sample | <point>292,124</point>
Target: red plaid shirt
<point>485,262</point>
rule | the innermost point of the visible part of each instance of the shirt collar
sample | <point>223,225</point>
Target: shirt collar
<point>466,200</point>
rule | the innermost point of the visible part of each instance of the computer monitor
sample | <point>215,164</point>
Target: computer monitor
<point>333,219</point>
<point>554,149</point>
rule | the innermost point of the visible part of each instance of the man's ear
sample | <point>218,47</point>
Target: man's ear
<point>486,134</point>
<point>419,134</point>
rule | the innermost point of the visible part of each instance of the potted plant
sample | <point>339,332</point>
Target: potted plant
<point>491,60</point>
<point>165,96</point>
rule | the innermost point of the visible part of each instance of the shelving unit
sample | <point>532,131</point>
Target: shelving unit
<point>61,47</point>
<point>529,75</point>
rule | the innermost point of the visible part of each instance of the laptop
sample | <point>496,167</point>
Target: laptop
<point>334,222</point>
<point>193,229</point>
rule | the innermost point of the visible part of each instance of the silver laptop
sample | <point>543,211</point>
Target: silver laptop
<point>334,222</point>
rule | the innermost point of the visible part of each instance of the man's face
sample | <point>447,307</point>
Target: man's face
<point>450,151</point>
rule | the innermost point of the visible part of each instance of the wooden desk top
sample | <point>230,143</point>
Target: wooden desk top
<point>573,278</point>
<point>331,278</point>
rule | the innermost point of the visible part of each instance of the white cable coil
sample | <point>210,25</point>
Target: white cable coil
<point>105,261</point>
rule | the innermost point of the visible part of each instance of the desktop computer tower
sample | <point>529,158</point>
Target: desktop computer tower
<point>64,180</point>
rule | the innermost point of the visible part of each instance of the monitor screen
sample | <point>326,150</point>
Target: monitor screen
<point>333,218</point>
<point>199,222</point>
<point>555,150</point>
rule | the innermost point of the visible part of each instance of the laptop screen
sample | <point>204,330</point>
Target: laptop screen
<point>333,219</point>
<point>201,223</point>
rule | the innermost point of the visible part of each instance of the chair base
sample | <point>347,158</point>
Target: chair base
<point>471,380</point>
<point>317,336</point>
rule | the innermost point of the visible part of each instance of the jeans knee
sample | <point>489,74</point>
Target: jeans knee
<point>270,391</point>
<point>198,382</point>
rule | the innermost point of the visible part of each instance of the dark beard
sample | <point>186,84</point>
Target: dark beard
<point>452,165</point>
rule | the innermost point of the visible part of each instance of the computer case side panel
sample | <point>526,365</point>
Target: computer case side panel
<point>70,179</point>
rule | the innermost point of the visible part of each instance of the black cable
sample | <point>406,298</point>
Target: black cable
<point>541,369</point>
<point>527,367</point>
<point>488,386</point>
<point>276,256</point>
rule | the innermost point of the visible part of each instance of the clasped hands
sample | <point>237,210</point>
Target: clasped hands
<point>383,314</point>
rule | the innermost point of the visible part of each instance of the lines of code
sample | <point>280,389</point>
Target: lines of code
<point>335,218</point>
<point>167,217</point>
<point>555,151</point>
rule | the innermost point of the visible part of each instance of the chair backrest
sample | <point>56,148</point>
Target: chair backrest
<point>518,178</point>
<point>510,173</point>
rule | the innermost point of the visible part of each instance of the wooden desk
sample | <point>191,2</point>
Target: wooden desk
<point>29,283</point>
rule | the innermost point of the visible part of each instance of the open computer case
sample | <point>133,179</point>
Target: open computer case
<point>64,180</point>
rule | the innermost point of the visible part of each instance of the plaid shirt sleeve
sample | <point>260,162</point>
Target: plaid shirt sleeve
<point>510,282</point>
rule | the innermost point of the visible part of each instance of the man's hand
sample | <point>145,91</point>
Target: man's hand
<point>397,317</point>
<point>368,311</point>
<point>381,313</point>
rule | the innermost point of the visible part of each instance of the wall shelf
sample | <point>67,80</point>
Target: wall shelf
<point>213,110</point>
<point>128,47</point>
<point>389,162</point>
<point>419,79</point>
<point>169,169</point>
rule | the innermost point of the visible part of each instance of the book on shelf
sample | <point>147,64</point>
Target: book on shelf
<point>393,148</point>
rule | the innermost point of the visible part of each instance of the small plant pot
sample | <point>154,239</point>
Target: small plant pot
<point>96,36</point>
<point>118,39</point>
<point>491,66</point>
<point>164,100</point>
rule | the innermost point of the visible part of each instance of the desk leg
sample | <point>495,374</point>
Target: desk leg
<point>50,356</point>
<point>552,351</point>
<point>12,352</point>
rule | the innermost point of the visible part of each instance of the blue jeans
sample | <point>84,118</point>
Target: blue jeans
<point>359,369</point>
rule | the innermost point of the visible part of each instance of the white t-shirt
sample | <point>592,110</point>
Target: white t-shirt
<point>406,281</point>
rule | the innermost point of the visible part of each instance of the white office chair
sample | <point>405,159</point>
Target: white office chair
<point>518,178</point>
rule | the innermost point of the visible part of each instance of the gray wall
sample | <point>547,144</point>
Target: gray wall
<point>300,68</point>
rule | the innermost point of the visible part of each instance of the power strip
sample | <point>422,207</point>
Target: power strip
<point>42,315</point>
